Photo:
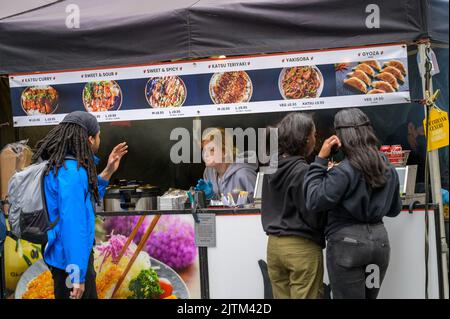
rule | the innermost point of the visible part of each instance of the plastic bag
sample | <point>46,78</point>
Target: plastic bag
<point>13,157</point>
<point>18,147</point>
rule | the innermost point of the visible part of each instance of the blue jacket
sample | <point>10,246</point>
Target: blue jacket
<point>71,241</point>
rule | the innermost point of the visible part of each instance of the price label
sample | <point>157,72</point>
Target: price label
<point>288,104</point>
<point>205,230</point>
<point>111,116</point>
<point>242,108</point>
<point>175,112</point>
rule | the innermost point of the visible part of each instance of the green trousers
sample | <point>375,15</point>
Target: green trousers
<point>295,267</point>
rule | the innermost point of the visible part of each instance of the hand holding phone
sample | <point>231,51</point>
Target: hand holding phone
<point>327,146</point>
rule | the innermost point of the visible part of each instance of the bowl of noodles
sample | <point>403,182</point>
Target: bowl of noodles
<point>300,82</point>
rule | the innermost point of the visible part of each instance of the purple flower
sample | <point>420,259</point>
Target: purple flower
<point>172,241</point>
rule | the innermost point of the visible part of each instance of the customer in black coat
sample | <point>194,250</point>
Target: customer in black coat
<point>357,193</point>
<point>296,239</point>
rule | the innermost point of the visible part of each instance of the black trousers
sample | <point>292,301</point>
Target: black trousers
<point>357,261</point>
<point>61,289</point>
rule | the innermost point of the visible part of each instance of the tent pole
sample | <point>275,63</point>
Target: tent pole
<point>435,173</point>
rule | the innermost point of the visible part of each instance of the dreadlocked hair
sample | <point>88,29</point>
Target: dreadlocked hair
<point>68,139</point>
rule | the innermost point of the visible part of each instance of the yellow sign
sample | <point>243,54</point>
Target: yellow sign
<point>438,128</point>
<point>17,260</point>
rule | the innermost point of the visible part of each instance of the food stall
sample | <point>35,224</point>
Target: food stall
<point>55,66</point>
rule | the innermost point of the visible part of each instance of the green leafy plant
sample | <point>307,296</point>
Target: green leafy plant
<point>145,285</point>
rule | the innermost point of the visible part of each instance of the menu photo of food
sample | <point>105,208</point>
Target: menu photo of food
<point>372,77</point>
<point>165,91</point>
<point>300,82</point>
<point>167,266</point>
<point>102,96</point>
<point>39,100</point>
<point>230,87</point>
<point>148,278</point>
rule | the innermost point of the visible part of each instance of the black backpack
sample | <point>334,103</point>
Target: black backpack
<point>2,228</point>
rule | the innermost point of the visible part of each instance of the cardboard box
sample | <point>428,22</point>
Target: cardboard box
<point>13,158</point>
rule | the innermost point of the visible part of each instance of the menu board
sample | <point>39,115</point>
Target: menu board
<point>376,75</point>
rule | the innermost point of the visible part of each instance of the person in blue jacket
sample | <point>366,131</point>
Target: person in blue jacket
<point>71,187</point>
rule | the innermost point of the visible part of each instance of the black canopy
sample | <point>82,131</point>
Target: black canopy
<point>117,32</point>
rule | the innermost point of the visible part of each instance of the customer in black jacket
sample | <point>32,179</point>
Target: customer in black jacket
<point>357,193</point>
<point>296,240</point>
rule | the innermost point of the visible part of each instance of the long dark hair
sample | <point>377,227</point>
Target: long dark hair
<point>293,133</point>
<point>361,145</point>
<point>68,139</point>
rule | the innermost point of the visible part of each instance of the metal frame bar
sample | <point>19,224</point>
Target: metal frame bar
<point>204,272</point>
<point>435,174</point>
<point>439,253</point>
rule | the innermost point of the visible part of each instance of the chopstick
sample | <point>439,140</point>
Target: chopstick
<point>136,253</point>
<point>131,237</point>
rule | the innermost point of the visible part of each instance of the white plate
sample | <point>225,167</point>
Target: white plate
<point>147,97</point>
<point>30,113</point>
<point>118,102</point>
<point>216,76</point>
<point>283,71</point>
<point>179,286</point>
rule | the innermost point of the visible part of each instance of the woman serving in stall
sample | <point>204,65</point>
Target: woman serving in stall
<point>227,170</point>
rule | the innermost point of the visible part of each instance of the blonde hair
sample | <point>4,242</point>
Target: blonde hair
<point>228,153</point>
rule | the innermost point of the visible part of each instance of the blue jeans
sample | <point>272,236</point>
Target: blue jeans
<point>357,260</point>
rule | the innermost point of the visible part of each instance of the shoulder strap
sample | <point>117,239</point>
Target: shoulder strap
<point>44,204</point>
